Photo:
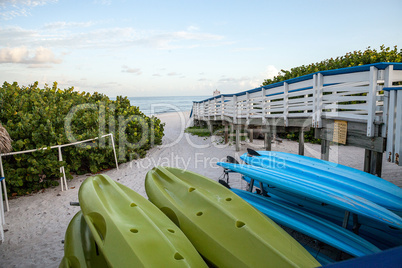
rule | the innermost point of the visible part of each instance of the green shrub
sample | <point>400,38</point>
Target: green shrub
<point>37,118</point>
<point>351,59</point>
<point>198,131</point>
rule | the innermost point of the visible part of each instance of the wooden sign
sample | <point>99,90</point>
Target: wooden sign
<point>340,131</point>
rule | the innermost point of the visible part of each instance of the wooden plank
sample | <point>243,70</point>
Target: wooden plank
<point>357,139</point>
<point>349,77</point>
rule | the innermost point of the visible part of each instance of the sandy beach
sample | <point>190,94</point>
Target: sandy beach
<point>36,224</point>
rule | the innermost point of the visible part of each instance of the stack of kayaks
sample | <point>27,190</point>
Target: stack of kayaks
<point>119,228</point>
<point>193,221</point>
<point>199,223</point>
<point>323,191</point>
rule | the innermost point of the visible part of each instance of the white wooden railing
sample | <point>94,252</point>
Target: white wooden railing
<point>351,94</point>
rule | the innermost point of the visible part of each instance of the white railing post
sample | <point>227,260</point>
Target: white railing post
<point>215,108</point>
<point>314,115</point>
<point>209,109</point>
<point>63,180</point>
<point>248,104</point>
<point>387,83</point>
<point>235,111</point>
<point>3,182</point>
<point>114,151</point>
<point>318,92</point>
<point>286,103</point>
<point>2,187</point>
<point>222,106</point>
<point>398,128</point>
<point>264,106</point>
<point>372,99</point>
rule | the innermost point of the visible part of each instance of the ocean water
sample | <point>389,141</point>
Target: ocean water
<point>167,104</point>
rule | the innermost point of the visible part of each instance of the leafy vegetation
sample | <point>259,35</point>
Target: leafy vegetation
<point>198,131</point>
<point>351,59</point>
<point>37,118</point>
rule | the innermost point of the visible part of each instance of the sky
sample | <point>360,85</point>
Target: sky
<point>182,48</point>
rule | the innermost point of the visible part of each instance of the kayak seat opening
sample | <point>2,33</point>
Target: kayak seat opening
<point>171,231</point>
<point>134,231</point>
<point>191,189</point>
<point>240,224</point>
<point>99,223</point>
<point>171,215</point>
<point>199,213</point>
<point>178,256</point>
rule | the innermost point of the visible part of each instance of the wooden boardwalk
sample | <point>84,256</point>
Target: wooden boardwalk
<point>360,106</point>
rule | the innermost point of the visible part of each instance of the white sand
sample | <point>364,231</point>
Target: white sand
<point>36,224</point>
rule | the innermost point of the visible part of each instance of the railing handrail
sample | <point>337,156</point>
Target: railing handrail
<point>346,70</point>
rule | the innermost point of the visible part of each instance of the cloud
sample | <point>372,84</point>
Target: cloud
<point>63,24</point>
<point>173,74</point>
<point>10,9</point>
<point>40,55</point>
<point>270,72</point>
<point>127,69</point>
<point>242,83</point>
<point>82,36</point>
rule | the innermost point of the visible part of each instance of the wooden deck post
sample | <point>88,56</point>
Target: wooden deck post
<point>226,134</point>
<point>210,127</point>
<point>237,129</point>
<point>251,134</point>
<point>301,141</point>
<point>373,162</point>
<point>267,141</point>
<point>325,149</point>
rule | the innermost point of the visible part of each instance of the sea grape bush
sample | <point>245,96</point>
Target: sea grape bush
<point>351,59</point>
<point>37,118</point>
<point>355,58</point>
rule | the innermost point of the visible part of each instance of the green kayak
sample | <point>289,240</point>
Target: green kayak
<point>130,231</point>
<point>80,249</point>
<point>227,231</point>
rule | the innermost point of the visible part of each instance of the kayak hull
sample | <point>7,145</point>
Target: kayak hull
<point>226,230</point>
<point>129,230</point>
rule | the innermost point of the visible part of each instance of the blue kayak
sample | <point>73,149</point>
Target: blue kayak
<point>303,186</point>
<point>349,180</point>
<point>309,224</point>
<point>388,258</point>
<point>377,233</point>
